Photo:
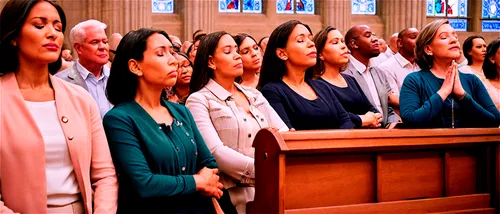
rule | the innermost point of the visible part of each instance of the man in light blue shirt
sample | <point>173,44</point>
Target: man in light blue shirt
<point>90,71</point>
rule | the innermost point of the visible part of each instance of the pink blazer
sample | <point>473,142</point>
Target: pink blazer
<point>22,152</point>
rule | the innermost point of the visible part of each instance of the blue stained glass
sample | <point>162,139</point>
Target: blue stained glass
<point>454,8</point>
<point>490,26</point>
<point>459,24</point>
<point>365,7</point>
<point>252,6</point>
<point>284,6</point>
<point>304,6</point>
<point>163,6</point>
<point>491,9</point>
<point>229,6</point>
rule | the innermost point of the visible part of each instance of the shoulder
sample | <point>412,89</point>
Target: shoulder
<point>273,85</point>
<point>177,109</point>
<point>348,78</point>
<point>202,95</point>
<point>121,112</point>
<point>74,92</point>
<point>251,90</point>
<point>416,77</point>
<point>64,73</point>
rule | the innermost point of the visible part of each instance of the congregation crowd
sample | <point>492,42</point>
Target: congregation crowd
<point>146,123</point>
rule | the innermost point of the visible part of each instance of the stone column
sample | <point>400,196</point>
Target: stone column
<point>400,14</point>
<point>125,15</point>
<point>336,13</point>
<point>198,14</point>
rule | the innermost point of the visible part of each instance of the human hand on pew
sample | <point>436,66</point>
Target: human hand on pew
<point>372,120</point>
<point>207,182</point>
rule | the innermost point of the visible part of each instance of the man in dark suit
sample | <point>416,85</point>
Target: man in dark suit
<point>364,46</point>
<point>90,70</point>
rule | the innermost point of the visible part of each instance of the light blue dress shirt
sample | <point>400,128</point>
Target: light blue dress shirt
<point>97,87</point>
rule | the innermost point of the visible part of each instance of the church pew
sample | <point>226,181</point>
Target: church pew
<point>377,171</point>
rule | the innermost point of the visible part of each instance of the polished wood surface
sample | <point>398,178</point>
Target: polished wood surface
<point>383,170</point>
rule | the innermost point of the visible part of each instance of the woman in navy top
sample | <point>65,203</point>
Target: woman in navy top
<point>333,55</point>
<point>301,102</point>
<point>439,96</point>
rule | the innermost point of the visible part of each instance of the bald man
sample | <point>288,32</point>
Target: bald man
<point>114,41</point>
<point>364,46</point>
<point>393,46</point>
<point>383,45</point>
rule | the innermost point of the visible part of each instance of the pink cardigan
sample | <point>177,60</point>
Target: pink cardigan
<point>22,152</point>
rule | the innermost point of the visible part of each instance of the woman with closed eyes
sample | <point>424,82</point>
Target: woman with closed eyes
<point>251,58</point>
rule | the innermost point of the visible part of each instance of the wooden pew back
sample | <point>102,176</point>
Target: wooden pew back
<point>428,170</point>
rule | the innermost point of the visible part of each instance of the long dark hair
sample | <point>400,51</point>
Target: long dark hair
<point>12,20</point>
<point>490,69</point>
<point>320,40</point>
<point>201,72</point>
<point>274,68</point>
<point>468,43</point>
<point>239,38</point>
<point>122,83</point>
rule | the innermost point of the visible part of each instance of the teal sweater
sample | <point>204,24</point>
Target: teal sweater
<point>155,162</point>
<point>422,107</point>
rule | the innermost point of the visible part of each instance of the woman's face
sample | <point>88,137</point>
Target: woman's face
<point>478,51</point>
<point>445,43</point>
<point>226,62</point>
<point>250,55</point>
<point>184,72</point>
<point>41,37</point>
<point>335,51</point>
<point>159,66</point>
<point>300,49</point>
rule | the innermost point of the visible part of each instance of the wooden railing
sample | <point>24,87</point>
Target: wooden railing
<point>377,171</point>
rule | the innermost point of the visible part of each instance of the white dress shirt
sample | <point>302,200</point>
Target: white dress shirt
<point>97,87</point>
<point>365,72</point>
<point>397,68</point>
<point>389,53</point>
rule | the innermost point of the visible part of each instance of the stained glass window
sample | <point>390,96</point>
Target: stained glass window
<point>454,8</point>
<point>491,16</point>
<point>236,6</point>
<point>163,6</point>
<point>295,6</point>
<point>364,7</point>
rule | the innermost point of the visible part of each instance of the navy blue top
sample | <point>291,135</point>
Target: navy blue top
<point>325,112</point>
<point>422,107</point>
<point>352,99</point>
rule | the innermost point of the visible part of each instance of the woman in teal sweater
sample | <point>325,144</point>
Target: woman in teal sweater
<point>162,161</point>
<point>439,96</point>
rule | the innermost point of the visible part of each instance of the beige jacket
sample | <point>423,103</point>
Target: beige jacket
<point>228,134</point>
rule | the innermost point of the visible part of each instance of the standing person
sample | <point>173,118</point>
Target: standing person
<point>332,56</point>
<point>90,71</point>
<point>439,96</point>
<point>364,46</point>
<point>163,163</point>
<point>229,116</point>
<point>251,58</point>
<point>301,102</point>
<point>393,46</point>
<point>54,154</point>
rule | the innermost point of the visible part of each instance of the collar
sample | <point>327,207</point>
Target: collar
<point>223,94</point>
<point>401,60</point>
<point>360,67</point>
<point>85,73</point>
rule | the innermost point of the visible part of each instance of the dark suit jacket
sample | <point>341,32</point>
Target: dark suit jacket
<point>383,90</point>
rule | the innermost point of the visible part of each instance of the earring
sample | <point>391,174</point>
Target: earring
<point>285,58</point>
<point>429,53</point>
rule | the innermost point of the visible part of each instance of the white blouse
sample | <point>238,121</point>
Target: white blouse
<point>62,186</point>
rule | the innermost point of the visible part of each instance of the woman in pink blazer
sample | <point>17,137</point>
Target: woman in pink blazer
<point>54,155</point>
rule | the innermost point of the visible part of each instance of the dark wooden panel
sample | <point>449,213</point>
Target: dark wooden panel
<point>461,172</point>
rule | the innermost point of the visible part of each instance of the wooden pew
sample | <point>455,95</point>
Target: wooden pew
<point>377,171</point>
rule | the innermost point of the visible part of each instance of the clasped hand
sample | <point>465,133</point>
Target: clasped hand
<point>451,83</point>
<point>207,182</point>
